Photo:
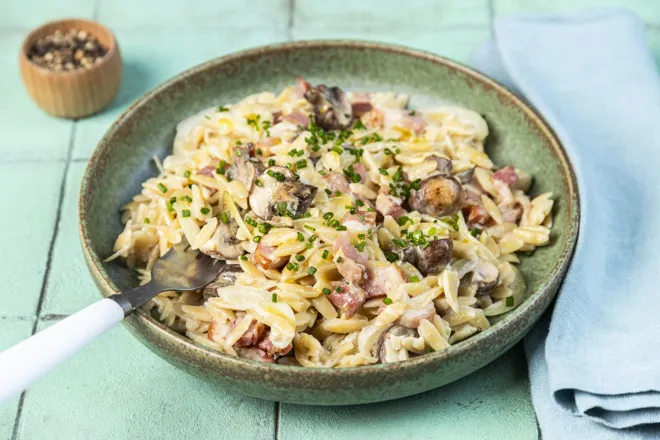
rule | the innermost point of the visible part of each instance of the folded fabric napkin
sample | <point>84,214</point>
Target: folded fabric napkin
<point>595,368</point>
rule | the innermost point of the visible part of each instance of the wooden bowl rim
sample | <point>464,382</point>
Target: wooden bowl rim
<point>35,33</point>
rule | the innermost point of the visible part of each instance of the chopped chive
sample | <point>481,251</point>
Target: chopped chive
<point>361,217</point>
<point>271,162</point>
<point>244,257</point>
<point>312,238</point>
<point>403,220</point>
<point>308,227</point>
<point>326,291</point>
<point>328,215</point>
<point>383,171</point>
<point>222,108</point>
<point>338,289</point>
<point>328,192</point>
<point>187,199</point>
<point>341,228</point>
<point>300,258</point>
<point>474,232</point>
<point>337,149</point>
<point>274,297</point>
<point>239,142</point>
<point>359,202</point>
<point>257,238</point>
<point>414,279</point>
<point>162,187</point>
<point>361,236</point>
<point>391,256</point>
<point>311,270</point>
<point>296,266</point>
<point>259,152</point>
<point>289,266</point>
<point>263,228</point>
<point>185,213</point>
<point>205,210</point>
<point>432,230</point>
<point>302,163</point>
<point>147,221</point>
<point>388,151</point>
<point>387,301</point>
<point>301,237</point>
<point>229,179</point>
<point>509,301</point>
<point>172,200</point>
<point>170,208</point>
<point>308,245</point>
<point>186,173</point>
<point>316,148</point>
<point>325,254</point>
<point>431,350</point>
<point>239,153</point>
<point>259,183</point>
<point>338,260</point>
<point>224,218</point>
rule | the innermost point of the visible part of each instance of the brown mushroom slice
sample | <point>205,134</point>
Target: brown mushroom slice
<point>255,354</point>
<point>430,258</point>
<point>485,275</point>
<point>386,351</point>
<point>224,245</point>
<point>332,108</point>
<point>280,194</point>
<point>437,196</point>
<point>443,165</point>
<point>465,177</point>
<point>244,170</point>
<point>226,277</point>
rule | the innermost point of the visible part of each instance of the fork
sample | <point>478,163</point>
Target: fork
<point>180,269</point>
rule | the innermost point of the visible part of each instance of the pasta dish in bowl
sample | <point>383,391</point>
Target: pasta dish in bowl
<point>356,230</point>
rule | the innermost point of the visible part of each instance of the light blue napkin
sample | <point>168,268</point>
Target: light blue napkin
<point>596,372</point>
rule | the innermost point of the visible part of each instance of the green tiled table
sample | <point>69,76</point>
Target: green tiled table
<point>116,388</point>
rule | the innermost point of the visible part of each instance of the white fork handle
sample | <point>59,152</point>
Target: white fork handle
<point>27,361</point>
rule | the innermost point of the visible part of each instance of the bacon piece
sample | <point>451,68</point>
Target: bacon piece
<point>507,175</point>
<point>302,87</point>
<point>389,205</point>
<point>362,221</point>
<point>412,317</point>
<point>252,336</point>
<point>277,117</point>
<point>297,118</point>
<point>383,279</point>
<point>263,256</point>
<point>352,262</point>
<point>337,182</point>
<point>207,170</point>
<point>267,345</point>
<point>511,214</point>
<point>349,298</point>
<point>476,214</point>
<point>212,328</point>
<point>255,354</point>
<point>360,108</point>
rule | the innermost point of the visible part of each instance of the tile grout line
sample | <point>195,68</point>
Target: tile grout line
<point>277,421</point>
<point>95,11</point>
<point>49,259</point>
<point>292,8</point>
<point>491,16</point>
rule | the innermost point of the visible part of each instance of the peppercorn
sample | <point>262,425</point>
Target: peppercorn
<point>67,51</point>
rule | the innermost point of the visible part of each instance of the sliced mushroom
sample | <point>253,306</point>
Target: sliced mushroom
<point>443,165</point>
<point>437,196</point>
<point>226,277</point>
<point>332,108</point>
<point>412,317</point>
<point>485,275</point>
<point>244,169</point>
<point>224,245</point>
<point>386,351</point>
<point>280,194</point>
<point>432,258</point>
<point>465,177</point>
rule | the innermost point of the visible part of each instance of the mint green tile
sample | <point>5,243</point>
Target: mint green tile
<point>70,287</point>
<point>492,404</point>
<point>452,43</point>
<point>11,332</point>
<point>27,230</point>
<point>649,10</point>
<point>151,57</point>
<point>27,132</point>
<point>391,12</point>
<point>31,13</point>
<point>116,389</point>
<point>213,15</point>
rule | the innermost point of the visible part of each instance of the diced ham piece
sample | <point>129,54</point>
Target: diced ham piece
<point>267,345</point>
<point>360,108</point>
<point>352,262</point>
<point>207,170</point>
<point>387,204</point>
<point>507,175</point>
<point>412,317</point>
<point>277,117</point>
<point>415,123</point>
<point>511,214</point>
<point>398,117</point>
<point>337,182</point>
<point>252,335</point>
<point>302,87</point>
<point>476,214</point>
<point>349,298</point>
<point>362,221</point>
<point>297,118</point>
<point>383,279</point>
<point>263,256</point>
<point>255,354</point>
<point>360,169</point>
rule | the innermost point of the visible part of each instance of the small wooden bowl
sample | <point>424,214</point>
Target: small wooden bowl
<point>76,93</point>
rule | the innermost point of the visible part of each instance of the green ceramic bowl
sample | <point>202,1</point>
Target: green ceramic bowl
<point>519,136</point>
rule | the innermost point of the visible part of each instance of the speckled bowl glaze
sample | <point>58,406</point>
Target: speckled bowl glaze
<point>519,136</point>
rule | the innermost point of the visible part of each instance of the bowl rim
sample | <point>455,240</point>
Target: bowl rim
<point>511,319</point>
<point>30,38</point>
